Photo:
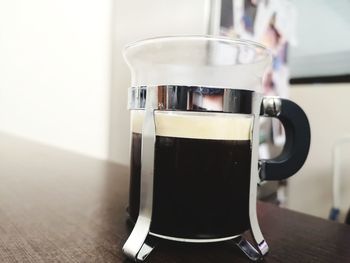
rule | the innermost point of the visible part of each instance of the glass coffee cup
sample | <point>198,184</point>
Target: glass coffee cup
<point>195,103</point>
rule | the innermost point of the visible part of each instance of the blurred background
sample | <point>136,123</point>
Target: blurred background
<point>63,81</point>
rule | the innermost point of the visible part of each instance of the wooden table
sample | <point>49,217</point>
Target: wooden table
<point>57,206</point>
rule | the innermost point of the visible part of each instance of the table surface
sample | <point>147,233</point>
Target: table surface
<point>57,206</point>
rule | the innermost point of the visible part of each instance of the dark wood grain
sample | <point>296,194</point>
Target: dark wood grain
<point>57,206</point>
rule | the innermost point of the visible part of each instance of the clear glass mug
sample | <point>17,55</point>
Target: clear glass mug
<point>195,104</point>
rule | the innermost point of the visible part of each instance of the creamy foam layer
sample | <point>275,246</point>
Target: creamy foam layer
<point>197,125</point>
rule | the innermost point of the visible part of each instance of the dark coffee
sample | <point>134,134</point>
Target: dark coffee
<point>201,186</point>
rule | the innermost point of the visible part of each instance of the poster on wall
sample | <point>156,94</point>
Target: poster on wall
<point>271,23</point>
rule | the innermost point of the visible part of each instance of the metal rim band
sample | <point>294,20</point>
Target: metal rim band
<point>194,98</point>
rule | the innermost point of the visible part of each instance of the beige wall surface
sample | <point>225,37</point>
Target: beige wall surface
<point>328,109</point>
<point>55,72</point>
<point>63,80</point>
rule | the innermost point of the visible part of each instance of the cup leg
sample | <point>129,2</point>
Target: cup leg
<point>145,250</point>
<point>136,247</point>
<point>248,249</point>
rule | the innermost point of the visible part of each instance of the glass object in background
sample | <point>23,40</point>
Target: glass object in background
<point>340,211</point>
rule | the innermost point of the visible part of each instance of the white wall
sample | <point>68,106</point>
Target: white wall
<point>328,109</point>
<point>63,80</point>
<point>55,72</point>
<point>321,31</point>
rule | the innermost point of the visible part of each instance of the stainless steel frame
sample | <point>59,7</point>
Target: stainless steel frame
<point>254,178</point>
<point>185,98</point>
<point>136,247</point>
<point>193,98</point>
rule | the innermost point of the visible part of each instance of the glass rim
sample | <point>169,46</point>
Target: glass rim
<point>208,38</point>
